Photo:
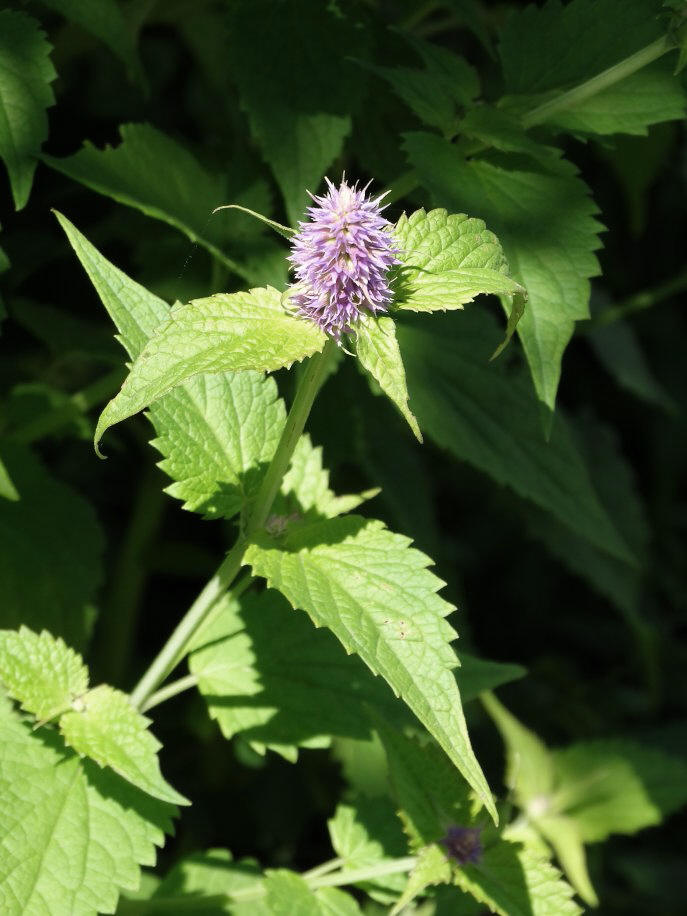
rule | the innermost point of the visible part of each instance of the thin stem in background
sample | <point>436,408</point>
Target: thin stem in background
<point>79,403</point>
<point>116,626</point>
<point>175,647</point>
<point>169,691</point>
<point>408,181</point>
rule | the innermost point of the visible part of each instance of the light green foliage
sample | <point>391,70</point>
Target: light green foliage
<point>433,93</point>
<point>377,596</point>
<point>299,123</point>
<point>377,350</point>
<point>535,53</point>
<point>104,19</point>
<point>183,193</point>
<point>50,552</point>
<point>617,786</point>
<point>512,882</point>
<point>485,414</point>
<point>529,768</point>
<point>203,884</point>
<point>104,726</point>
<point>564,836</point>
<point>50,681</point>
<point>305,488</point>
<point>432,868</point>
<point>215,465</point>
<point>297,690</point>
<point>41,672</point>
<point>289,895</point>
<point>7,488</point>
<point>247,330</point>
<point>217,433</point>
<point>549,234</point>
<point>366,832</point>
<point>430,799</point>
<point>71,835</point>
<point>585,792</point>
<point>448,259</point>
<point>25,76</point>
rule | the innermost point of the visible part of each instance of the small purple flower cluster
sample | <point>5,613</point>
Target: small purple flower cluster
<point>463,844</point>
<point>341,259</point>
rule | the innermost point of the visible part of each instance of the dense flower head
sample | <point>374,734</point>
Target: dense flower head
<point>463,844</point>
<point>341,258</point>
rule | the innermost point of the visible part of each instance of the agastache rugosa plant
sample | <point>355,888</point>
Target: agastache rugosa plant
<point>341,258</point>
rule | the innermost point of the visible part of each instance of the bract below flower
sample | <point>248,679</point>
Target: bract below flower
<point>341,258</point>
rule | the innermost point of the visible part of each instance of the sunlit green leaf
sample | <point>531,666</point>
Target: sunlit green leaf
<point>251,330</point>
<point>377,596</point>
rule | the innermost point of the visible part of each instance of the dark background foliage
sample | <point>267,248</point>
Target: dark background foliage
<point>592,672</point>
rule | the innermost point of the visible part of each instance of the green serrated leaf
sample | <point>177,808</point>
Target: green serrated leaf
<point>50,552</point>
<point>549,234</point>
<point>297,691</point>
<point>298,106</point>
<point>513,882</point>
<point>41,672</point>
<point>485,414</point>
<point>105,727</point>
<point>241,331</point>
<point>365,832</point>
<point>378,353</point>
<point>447,261</point>
<point>432,868</point>
<point>377,596</point>
<point>535,53</point>
<point>434,93</point>
<point>183,194</point>
<point>617,786</point>
<point>425,787</point>
<point>215,432</point>
<point>503,131</point>
<point>104,19</point>
<point>25,76</point>
<point>529,766</point>
<point>71,835</point>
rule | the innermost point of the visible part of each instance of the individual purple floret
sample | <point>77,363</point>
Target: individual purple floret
<point>341,259</point>
<point>463,844</point>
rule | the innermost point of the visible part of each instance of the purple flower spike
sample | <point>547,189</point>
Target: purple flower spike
<point>341,259</point>
<point>463,844</point>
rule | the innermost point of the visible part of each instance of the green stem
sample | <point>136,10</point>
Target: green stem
<point>369,873</point>
<point>339,878</point>
<point>641,301</point>
<point>598,83</point>
<point>169,691</point>
<point>323,869</point>
<point>408,181</point>
<point>167,659</point>
<point>175,647</point>
<point>78,403</point>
